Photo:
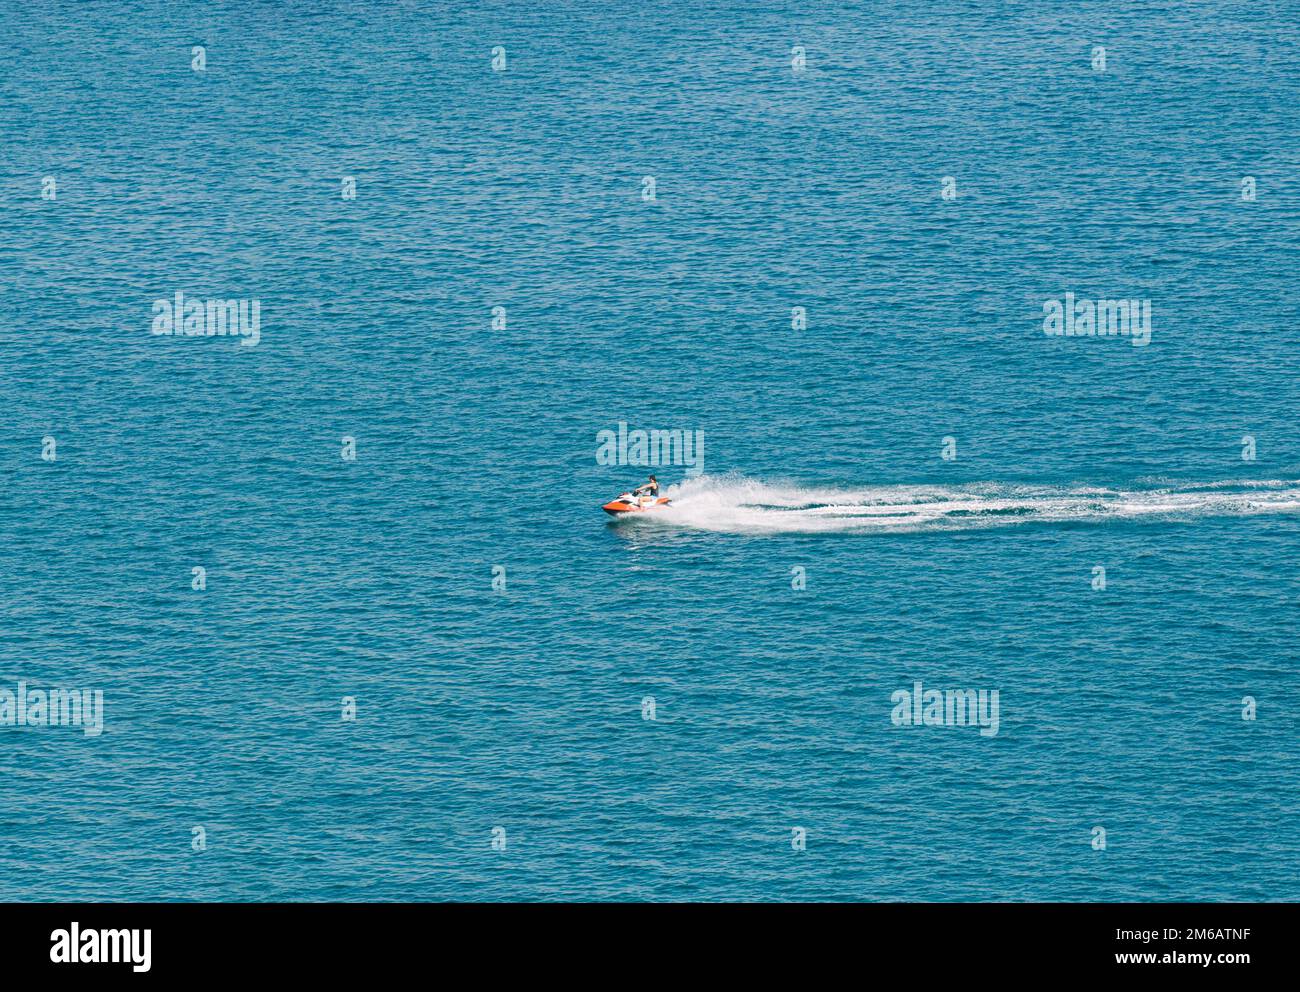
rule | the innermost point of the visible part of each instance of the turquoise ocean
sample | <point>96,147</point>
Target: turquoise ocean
<point>819,242</point>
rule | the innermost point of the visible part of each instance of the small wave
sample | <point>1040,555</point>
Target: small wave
<point>734,504</point>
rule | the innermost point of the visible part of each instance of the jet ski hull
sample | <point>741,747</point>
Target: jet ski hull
<point>626,505</point>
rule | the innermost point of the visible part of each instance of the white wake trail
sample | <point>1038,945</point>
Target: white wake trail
<point>734,504</point>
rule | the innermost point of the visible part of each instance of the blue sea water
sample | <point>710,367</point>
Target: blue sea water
<point>524,708</point>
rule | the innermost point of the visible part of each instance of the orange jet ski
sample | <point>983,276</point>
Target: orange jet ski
<point>629,503</point>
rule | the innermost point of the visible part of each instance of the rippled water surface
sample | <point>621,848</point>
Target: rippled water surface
<point>826,558</point>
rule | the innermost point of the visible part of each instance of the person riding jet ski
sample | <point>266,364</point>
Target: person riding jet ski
<point>650,489</point>
<point>642,499</point>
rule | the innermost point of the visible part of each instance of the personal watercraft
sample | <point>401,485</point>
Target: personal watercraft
<point>630,503</point>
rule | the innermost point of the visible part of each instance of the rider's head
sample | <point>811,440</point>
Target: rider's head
<point>653,479</point>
